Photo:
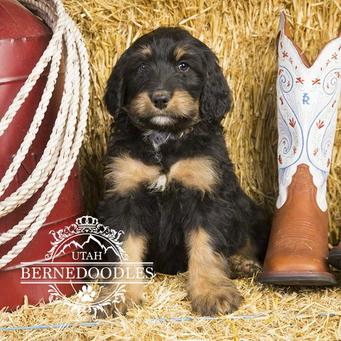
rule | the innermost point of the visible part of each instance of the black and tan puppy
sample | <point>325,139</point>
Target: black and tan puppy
<point>170,184</point>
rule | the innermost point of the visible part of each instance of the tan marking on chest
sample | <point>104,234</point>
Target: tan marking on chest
<point>125,174</point>
<point>198,173</point>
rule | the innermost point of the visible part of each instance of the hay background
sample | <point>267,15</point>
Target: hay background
<point>243,35</point>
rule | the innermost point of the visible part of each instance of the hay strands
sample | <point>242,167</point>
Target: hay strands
<point>157,321</point>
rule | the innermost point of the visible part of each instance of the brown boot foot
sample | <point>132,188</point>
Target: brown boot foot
<point>297,279</point>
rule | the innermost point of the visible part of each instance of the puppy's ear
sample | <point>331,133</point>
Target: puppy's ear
<point>215,99</point>
<point>114,94</point>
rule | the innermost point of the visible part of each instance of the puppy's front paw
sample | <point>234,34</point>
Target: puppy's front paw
<point>216,299</point>
<point>133,295</point>
<point>131,299</point>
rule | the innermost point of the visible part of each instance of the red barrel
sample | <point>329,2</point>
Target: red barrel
<point>23,39</point>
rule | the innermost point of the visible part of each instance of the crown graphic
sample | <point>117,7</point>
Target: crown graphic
<point>87,224</point>
<point>83,225</point>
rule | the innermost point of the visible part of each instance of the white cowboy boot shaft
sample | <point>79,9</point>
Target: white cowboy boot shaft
<point>307,102</point>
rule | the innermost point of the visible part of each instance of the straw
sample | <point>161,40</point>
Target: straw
<point>267,313</point>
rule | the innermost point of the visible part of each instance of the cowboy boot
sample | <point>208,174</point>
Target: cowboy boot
<point>334,257</point>
<point>307,102</point>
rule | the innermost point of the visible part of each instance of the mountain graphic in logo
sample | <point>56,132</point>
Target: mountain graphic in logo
<point>71,246</point>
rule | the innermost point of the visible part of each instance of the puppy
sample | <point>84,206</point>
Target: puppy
<point>170,184</point>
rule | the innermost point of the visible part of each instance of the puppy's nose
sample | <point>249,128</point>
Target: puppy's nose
<point>160,99</point>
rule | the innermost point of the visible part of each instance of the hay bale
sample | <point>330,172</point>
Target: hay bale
<point>243,35</point>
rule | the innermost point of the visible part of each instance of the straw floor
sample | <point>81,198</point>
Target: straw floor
<point>243,35</point>
<point>267,314</point>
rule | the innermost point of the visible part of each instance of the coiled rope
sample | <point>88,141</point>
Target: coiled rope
<point>62,149</point>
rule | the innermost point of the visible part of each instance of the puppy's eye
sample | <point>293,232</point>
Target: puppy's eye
<point>183,67</point>
<point>142,67</point>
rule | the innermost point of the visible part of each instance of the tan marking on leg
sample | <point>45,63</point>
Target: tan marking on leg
<point>182,104</point>
<point>135,248</point>
<point>124,174</point>
<point>210,288</point>
<point>196,173</point>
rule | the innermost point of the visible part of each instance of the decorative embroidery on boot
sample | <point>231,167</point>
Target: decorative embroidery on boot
<point>307,102</point>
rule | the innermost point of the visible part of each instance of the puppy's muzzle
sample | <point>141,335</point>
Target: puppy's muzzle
<point>160,99</point>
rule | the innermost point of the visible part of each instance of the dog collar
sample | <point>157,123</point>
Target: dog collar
<point>158,138</point>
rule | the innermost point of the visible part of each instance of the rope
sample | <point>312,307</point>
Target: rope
<point>61,151</point>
